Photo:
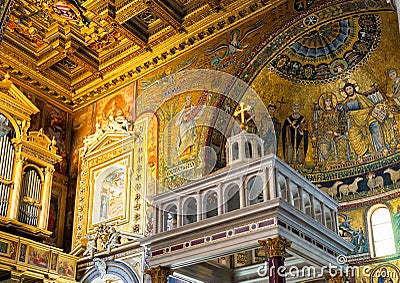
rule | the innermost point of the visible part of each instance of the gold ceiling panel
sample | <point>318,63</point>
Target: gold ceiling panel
<point>72,50</point>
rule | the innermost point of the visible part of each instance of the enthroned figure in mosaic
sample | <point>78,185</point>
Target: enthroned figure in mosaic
<point>369,127</point>
<point>332,144</point>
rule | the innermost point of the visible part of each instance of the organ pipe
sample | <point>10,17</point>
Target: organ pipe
<point>6,162</point>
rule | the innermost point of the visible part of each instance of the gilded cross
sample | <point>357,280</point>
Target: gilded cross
<point>241,111</point>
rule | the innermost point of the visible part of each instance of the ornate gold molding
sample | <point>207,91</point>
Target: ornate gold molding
<point>333,279</point>
<point>275,247</point>
<point>159,274</point>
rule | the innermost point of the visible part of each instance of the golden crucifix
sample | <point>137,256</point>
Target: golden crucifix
<point>241,109</point>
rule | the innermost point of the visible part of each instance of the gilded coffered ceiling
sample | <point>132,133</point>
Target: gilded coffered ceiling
<point>74,52</point>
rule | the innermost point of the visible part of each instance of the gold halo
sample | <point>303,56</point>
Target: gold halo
<point>325,95</point>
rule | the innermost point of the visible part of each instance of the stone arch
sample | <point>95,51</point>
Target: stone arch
<point>119,269</point>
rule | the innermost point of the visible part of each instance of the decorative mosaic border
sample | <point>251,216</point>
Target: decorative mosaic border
<point>240,230</point>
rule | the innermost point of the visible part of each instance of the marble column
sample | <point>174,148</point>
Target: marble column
<point>275,249</point>
<point>159,274</point>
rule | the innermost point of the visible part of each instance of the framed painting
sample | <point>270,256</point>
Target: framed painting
<point>66,267</point>
<point>37,257</point>
<point>109,192</point>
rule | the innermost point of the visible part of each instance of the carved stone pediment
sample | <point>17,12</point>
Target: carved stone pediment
<point>106,140</point>
<point>13,101</point>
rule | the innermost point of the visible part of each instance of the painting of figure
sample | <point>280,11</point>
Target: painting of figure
<point>368,127</point>
<point>54,258</point>
<point>396,225</point>
<point>110,195</point>
<point>364,133</point>
<point>220,52</point>
<point>395,94</point>
<point>270,135</point>
<point>36,120</point>
<point>55,125</point>
<point>65,267</point>
<point>115,108</point>
<point>38,257</point>
<point>53,216</point>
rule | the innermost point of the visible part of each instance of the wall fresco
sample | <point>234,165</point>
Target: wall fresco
<point>117,107</point>
<point>55,126</point>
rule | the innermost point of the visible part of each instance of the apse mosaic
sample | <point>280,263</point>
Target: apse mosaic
<point>330,51</point>
<point>268,45</point>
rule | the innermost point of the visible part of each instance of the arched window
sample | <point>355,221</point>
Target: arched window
<point>117,272</point>
<point>329,220</point>
<point>248,150</point>
<point>232,198</point>
<point>296,198</point>
<point>235,151</point>
<point>170,218</point>
<point>190,211</point>
<point>381,231</point>
<point>307,204</point>
<point>318,211</point>
<point>210,204</point>
<point>282,187</point>
<point>255,190</point>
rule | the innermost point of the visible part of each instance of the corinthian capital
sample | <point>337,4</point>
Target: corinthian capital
<point>159,274</point>
<point>275,246</point>
<point>49,170</point>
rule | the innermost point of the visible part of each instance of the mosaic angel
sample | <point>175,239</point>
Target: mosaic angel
<point>235,45</point>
